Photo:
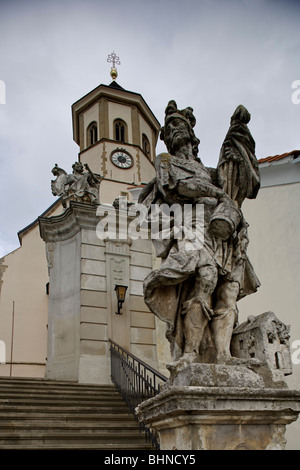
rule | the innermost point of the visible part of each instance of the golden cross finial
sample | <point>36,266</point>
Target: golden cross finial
<point>115,60</point>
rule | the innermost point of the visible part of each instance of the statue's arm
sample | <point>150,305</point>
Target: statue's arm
<point>92,175</point>
<point>147,190</point>
<point>194,188</point>
<point>213,174</point>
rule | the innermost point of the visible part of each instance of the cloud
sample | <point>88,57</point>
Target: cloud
<point>211,55</point>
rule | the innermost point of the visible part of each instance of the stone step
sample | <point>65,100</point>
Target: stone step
<point>68,387</point>
<point>60,400</point>
<point>46,382</point>
<point>42,414</point>
<point>82,446</point>
<point>72,408</point>
<point>54,394</point>
<point>41,384</point>
<point>71,387</point>
<point>30,425</point>
<point>85,434</point>
<point>66,417</point>
<point>45,437</point>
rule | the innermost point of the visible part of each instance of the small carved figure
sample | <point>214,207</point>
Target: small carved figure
<point>78,186</point>
<point>196,291</point>
<point>58,185</point>
<point>265,338</point>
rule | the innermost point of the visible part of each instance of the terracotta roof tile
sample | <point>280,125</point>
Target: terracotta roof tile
<point>293,153</point>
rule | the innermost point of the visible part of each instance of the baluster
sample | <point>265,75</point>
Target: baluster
<point>135,387</point>
<point>139,383</point>
<point>129,383</point>
<point>136,382</point>
<point>144,385</point>
<point>147,384</point>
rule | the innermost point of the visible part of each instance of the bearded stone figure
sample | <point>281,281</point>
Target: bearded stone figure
<point>196,291</point>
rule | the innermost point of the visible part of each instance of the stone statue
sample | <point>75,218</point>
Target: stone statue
<point>196,291</point>
<point>78,186</point>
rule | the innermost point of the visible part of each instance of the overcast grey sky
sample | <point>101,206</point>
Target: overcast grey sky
<point>209,54</point>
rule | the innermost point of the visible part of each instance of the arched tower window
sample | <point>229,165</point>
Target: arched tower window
<point>92,133</point>
<point>146,145</point>
<point>120,130</point>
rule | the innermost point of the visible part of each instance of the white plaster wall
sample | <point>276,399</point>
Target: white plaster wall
<point>274,250</point>
<point>24,283</point>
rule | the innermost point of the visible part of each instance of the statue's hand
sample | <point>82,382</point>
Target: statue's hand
<point>224,197</point>
<point>230,154</point>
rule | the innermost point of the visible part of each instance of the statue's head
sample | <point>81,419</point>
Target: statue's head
<point>55,170</point>
<point>78,167</point>
<point>241,114</point>
<point>178,128</point>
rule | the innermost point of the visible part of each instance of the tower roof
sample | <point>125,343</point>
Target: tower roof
<point>114,92</point>
<point>115,85</point>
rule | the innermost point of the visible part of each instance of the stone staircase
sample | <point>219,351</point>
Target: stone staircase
<point>42,414</point>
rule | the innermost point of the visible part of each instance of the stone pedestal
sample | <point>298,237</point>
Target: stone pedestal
<point>221,408</point>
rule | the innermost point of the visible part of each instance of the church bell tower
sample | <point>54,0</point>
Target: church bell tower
<point>117,134</point>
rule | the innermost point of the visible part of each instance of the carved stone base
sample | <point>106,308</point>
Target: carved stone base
<point>194,417</point>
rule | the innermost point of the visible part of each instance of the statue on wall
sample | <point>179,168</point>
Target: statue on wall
<point>196,291</point>
<point>78,186</point>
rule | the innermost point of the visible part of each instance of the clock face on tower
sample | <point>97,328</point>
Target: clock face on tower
<point>121,159</point>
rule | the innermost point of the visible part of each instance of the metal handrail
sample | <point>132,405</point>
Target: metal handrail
<point>136,381</point>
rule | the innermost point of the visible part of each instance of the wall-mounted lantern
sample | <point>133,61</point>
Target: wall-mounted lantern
<point>121,293</point>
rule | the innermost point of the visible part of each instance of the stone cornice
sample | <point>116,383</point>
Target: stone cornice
<point>226,405</point>
<point>3,267</point>
<point>76,217</point>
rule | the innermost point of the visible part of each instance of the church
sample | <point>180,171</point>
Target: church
<point>58,303</point>
<point>116,132</point>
